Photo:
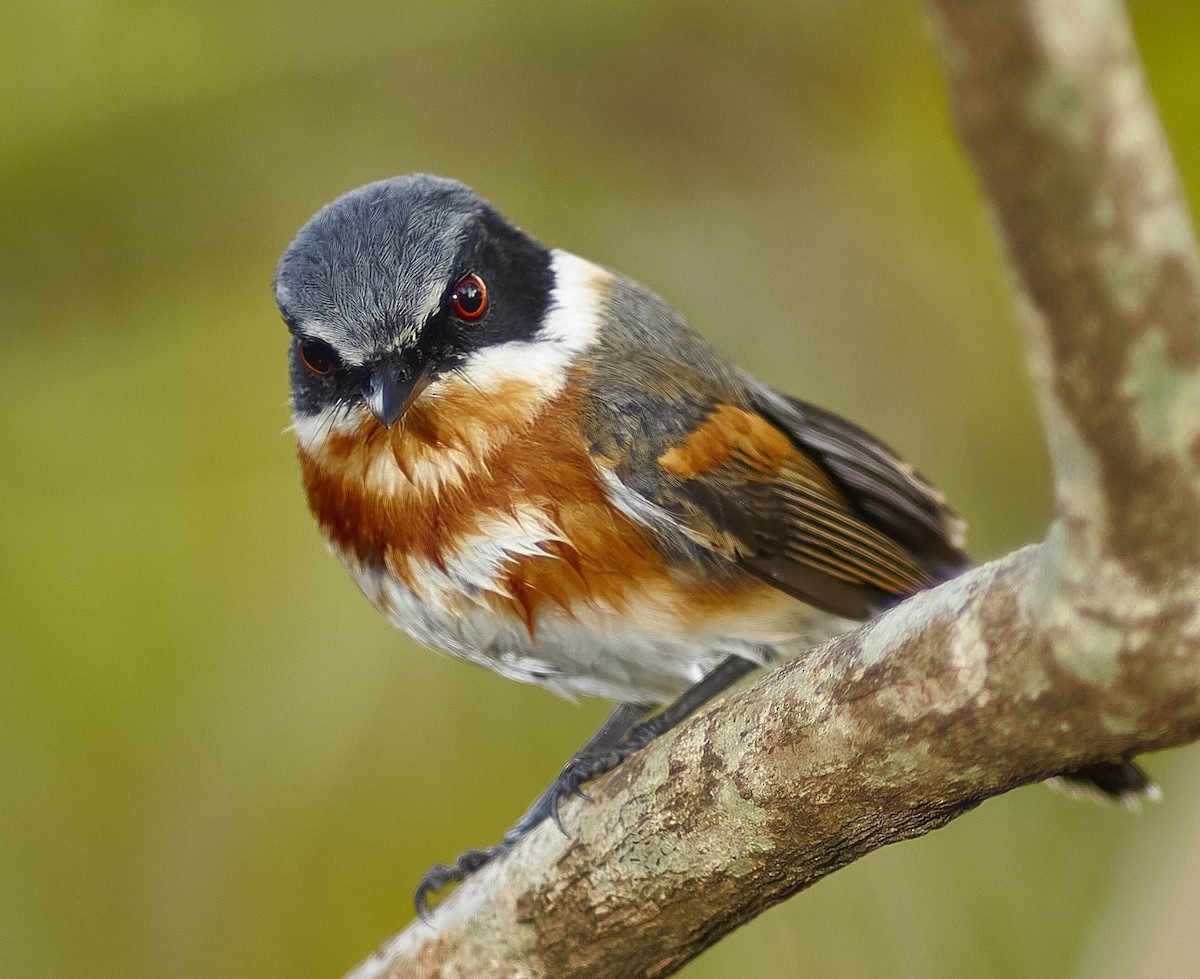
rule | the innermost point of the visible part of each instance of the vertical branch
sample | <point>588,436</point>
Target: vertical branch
<point>1053,107</point>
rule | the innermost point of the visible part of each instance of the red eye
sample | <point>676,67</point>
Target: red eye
<point>470,297</point>
<point>318,356</point>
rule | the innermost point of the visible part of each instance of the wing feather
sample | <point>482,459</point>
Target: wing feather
<point>881,486</point>
<point>727,474</point>
<point>738,484</point>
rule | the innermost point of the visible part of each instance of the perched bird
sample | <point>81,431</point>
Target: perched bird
<point>531,462</point>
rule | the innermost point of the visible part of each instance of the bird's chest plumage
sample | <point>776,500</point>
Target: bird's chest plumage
<point>482,527</point>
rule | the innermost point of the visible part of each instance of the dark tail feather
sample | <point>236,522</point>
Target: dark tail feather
<point>1122,782</point>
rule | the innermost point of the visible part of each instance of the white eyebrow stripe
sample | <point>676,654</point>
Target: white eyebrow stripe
<point>570,325</point>
<point>316,330</point>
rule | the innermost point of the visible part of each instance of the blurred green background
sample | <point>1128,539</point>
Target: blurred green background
<point>215,758</point>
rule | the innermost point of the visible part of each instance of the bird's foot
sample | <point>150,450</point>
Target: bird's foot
<point>588,764</point>
<point>442,875</point>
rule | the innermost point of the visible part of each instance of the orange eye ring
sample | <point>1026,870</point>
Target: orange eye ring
<point>470,297</point>
<point>318,356</point>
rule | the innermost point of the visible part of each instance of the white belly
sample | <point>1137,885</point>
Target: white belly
<point>641,653</point>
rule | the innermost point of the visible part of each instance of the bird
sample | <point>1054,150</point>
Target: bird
<point>531,462</point>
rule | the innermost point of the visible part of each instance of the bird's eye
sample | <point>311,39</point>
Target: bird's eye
<point>470,297</point>
<point>318,356</point>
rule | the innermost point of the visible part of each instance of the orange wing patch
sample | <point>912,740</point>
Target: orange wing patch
<point>733,435</point>
<point>811,521</point>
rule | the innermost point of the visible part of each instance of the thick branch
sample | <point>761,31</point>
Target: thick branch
<point>1082,649</point>
<point>1051,102</point>
<point>878,736</point>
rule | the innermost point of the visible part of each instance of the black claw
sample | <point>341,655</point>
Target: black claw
<point>562,789</point>
<point>556,818</point>
<point>569,784</point>
<point>442,875</point>
<point>437,877</point>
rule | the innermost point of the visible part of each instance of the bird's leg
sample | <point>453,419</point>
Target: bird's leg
<point>618,724</point>
<point>618,738</point>
<point>588,765</point>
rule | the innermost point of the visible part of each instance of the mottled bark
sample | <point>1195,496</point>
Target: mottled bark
<point>1081,649</point>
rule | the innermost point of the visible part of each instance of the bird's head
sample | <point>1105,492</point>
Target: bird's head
<point>399,284</point>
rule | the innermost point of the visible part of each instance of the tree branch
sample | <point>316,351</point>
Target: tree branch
<point>1084,648</point>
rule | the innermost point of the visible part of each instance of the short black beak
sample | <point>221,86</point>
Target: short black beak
<point>391,390</point>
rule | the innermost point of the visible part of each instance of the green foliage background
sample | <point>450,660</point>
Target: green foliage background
<point>215,758</point>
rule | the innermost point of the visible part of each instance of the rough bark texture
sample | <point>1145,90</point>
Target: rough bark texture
<point>1080,649</point>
